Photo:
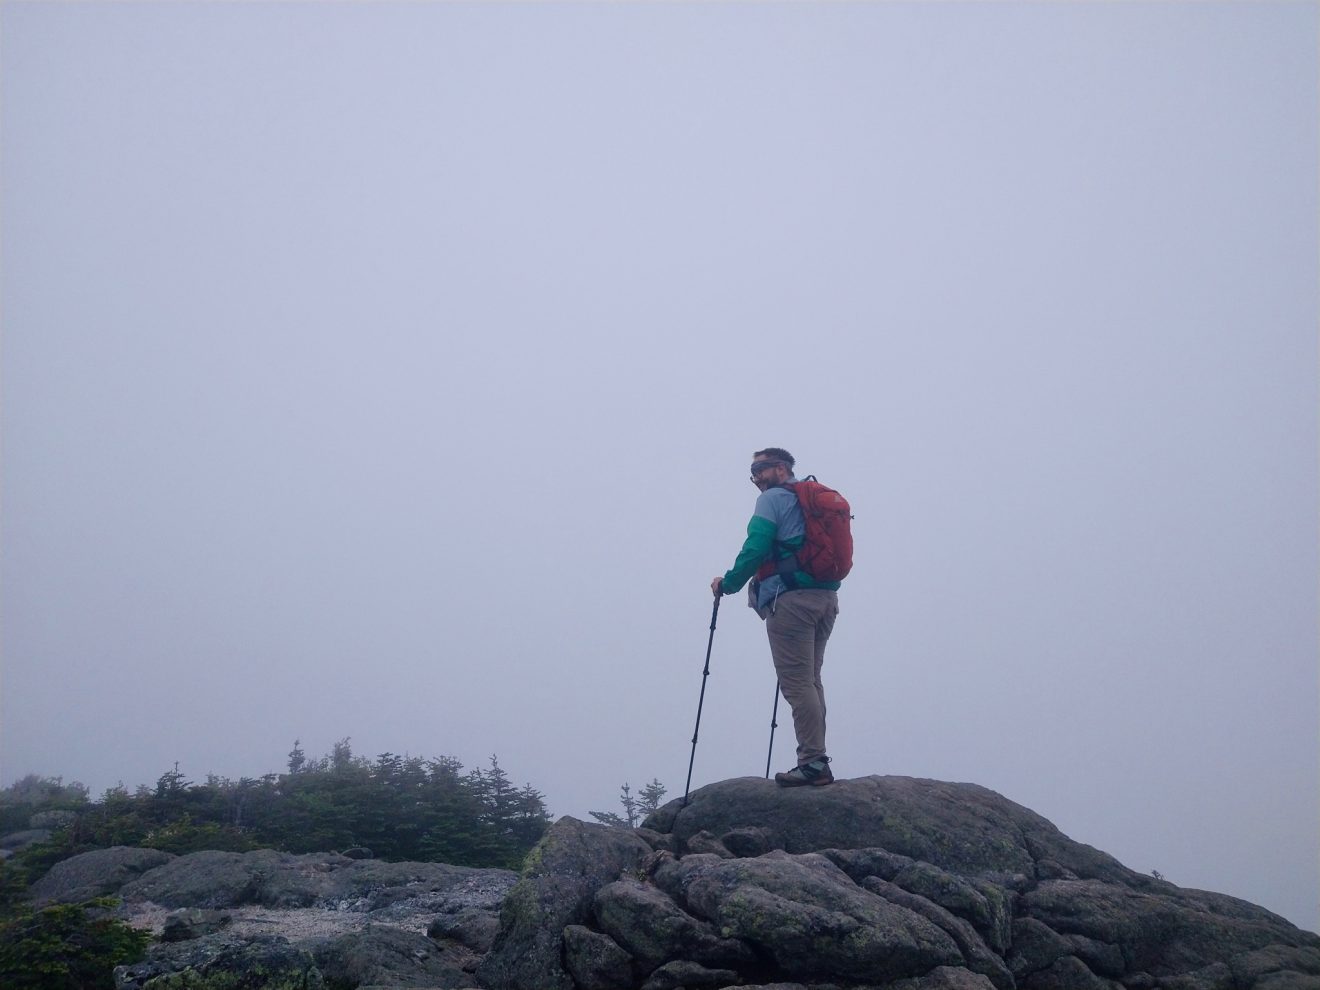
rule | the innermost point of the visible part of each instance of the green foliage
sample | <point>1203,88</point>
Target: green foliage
<point>190,979</point>
<point>635,809</point>
<point>183,835</point>
<point>401,808</point>
<point>297,758</point>
<point>651,796</point>
<point>13,885</point>
<point>32,795</point>
<point>65,947</point>
<point>31,862</point>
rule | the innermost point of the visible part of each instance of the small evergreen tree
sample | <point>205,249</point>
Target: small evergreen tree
<point>66,947</point>
<point>634,808</point>
<point>341,757</point>
<point>651,796</point>
<point>297,758</point>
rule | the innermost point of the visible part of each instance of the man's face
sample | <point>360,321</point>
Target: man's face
<point>767,472</point>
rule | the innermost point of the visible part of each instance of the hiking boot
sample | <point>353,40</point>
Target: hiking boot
<point>813,774</point>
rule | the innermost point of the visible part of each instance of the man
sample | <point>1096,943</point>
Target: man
<point>798,610</point>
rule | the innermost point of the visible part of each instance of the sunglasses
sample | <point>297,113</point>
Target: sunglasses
<point>759,466</point>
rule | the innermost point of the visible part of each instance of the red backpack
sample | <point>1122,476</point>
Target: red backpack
<point>827,549</point>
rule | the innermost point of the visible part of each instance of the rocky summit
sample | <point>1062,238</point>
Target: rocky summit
<point>875,882</point>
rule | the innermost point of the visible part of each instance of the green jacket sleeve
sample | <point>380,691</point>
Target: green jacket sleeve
<point>756,548</point>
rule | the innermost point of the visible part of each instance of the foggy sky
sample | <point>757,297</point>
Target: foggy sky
<point>391,371</point>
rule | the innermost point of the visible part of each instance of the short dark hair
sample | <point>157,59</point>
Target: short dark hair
<point>775,454</point>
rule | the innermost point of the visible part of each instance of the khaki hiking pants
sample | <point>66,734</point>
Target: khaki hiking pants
<point>799,628</point>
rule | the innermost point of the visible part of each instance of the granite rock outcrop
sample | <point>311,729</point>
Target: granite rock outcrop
<point>874,883</point>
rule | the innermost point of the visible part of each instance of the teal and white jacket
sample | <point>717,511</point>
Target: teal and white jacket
<point>775,531</point>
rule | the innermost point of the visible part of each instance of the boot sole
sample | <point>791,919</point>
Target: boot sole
<point>818,782</point>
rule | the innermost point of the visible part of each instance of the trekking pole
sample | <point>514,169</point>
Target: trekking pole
<point>773,712</point>
<point>701,700</point>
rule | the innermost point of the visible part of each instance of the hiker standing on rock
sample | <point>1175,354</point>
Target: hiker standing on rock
<point>785,547</point>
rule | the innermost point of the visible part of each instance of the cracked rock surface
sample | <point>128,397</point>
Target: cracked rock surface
<point>874,883</point>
